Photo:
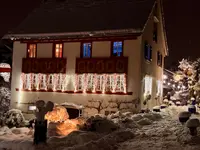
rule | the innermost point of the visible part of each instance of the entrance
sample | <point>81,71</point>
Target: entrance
<point>74,113</point>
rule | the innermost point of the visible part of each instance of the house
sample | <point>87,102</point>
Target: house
<point>74,51</point>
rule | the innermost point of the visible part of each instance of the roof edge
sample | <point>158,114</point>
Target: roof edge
<point>72,34</point>
<point>164,28</point>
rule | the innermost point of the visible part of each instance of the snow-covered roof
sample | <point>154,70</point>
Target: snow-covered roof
<point>72,105</point>
<point>75,16</point>
<point>4,65</point>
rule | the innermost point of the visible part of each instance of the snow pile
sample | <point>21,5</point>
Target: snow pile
<point>99,124</point>
<point>152,131</point>
<point>108,142</point>
<point>16,139</point>
<point>134,121</point>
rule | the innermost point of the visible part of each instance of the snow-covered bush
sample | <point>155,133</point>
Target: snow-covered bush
<point>5,96</point>
<point>14,118</point>
<point>99,124</point>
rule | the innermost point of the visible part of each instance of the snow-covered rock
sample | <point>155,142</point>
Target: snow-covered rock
<point>144,121</point>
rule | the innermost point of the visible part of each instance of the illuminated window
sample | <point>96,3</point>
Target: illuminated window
<point>117,48</point>
<point>86,51</point>
<point>148,85</point>
<point>58,50</point>
<point>31,52</point>
<point>159,87</point>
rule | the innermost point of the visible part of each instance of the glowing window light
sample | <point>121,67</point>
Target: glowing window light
<point>159,87</point>
<point>148,85</point>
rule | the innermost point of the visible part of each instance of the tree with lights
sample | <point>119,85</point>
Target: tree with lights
<point>188,79</point>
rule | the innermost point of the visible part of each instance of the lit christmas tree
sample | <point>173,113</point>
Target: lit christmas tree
<point>188,80</point>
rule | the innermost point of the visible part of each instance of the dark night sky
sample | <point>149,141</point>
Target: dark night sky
<point>181,17</point>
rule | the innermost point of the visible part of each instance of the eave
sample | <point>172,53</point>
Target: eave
<point>74,35</point>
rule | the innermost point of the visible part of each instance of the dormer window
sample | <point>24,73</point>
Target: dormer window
<point>147,52</point>
<point>58,50</point>
<point>31,50</point>
<point>86,50</point>
<point>117,48</point>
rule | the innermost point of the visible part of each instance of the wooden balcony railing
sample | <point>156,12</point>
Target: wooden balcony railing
<point>102,65</point>
<point>44,65</point>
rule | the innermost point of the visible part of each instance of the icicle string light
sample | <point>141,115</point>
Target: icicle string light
<point>83,82</point>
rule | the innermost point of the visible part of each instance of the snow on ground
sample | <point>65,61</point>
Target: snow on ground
<point>152,131</point>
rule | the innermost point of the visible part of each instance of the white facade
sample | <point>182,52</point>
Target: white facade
<point>143,76</point>
<point>71,52</point>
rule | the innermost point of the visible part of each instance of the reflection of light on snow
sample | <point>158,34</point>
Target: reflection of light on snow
<point>6,76</point>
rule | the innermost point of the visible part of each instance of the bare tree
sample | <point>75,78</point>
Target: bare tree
<point>99,105</point>
<point>123,104</point>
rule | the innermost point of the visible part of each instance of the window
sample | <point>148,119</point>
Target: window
<point>117,48</point>
<point>58,50</point>
<point>31,50</point>
<point>159,59</point>
<point>148,85</point>
<point>148,52</point>
<point>86,50</point>
<point>155,32</point>
<point>159,88</point>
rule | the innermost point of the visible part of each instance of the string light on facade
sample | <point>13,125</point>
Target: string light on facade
<point>82,82</point>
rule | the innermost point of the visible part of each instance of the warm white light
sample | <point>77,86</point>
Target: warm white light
<point>169,83</point>
<point>174,85</point>
<point>184,87</point>
<point>164,81</point>
<point>179,87</point>
<point>165,76</point>
<point>32,108</point>
<point>148,85</point>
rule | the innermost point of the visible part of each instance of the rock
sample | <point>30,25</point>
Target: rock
<point>144,121</point>
<point>136,117</point>
<point>127,114</point>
